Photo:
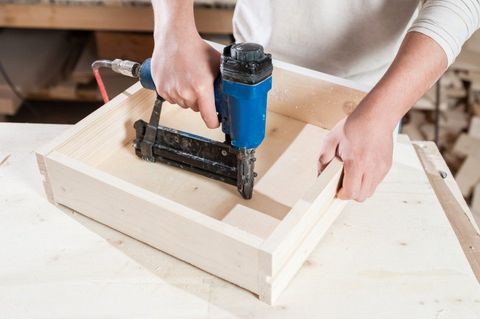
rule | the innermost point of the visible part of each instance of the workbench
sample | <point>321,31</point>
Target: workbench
<point>393,256</point>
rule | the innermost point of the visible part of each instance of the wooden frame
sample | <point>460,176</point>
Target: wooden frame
<point>105,17</point>
<point>258,244</point>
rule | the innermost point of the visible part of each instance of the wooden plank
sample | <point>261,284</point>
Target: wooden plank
<point>468,175</point>
<point>428,100</point>
<point>413,132</point>
<point>293,96</point>
<point>474,129</point>
<point>476,203</point>
<point>252,221</point>
<point>453,205</point>
<point>284,252</point>
<point>454,121</point>
<point>132,46</point>
<point>113,18</point>
<point>276,285</point>
<point>467,145</point>
<point>216,247</point>
<point>9,103</point>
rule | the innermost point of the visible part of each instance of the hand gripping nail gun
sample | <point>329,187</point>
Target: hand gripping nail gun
<point>241,92</point>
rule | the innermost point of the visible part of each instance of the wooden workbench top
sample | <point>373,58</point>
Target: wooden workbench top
<point>394,256</point>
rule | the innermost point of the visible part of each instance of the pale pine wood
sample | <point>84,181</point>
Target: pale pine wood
<point>476,203</point>
<point>467,145</point>
<point>252,221</point>
<point>284,252</point>
<point>396,253</point>
<point>474,129</point>
<point>213,246</point>
<point>468,175</point>
<point>454,206</point>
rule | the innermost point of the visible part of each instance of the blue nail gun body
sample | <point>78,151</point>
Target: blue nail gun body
<point>241,102</point>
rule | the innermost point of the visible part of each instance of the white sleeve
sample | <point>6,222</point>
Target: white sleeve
<point>448,22</point>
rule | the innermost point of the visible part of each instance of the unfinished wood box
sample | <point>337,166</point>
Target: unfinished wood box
<point>257,244</point>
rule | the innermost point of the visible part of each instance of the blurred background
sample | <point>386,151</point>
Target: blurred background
<point>47,46</point>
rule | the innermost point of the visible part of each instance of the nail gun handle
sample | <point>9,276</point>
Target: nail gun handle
<point>145,78</point>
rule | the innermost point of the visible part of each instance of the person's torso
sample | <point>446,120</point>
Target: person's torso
<point>354,39</point>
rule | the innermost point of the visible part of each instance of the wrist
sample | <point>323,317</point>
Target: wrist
<point>173,18</point>
<point>376,109</point>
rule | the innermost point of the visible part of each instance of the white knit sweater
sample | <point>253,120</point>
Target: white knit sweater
<point>355,39</point>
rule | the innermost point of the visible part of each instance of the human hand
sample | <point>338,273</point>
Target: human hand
<point>366,148</point>
<point>184,68</point>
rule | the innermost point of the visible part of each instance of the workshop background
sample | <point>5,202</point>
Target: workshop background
<point>47,46</point>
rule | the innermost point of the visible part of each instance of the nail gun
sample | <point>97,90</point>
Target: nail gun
<point>241,92</point>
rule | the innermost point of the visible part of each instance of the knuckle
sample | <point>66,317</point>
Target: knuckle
<point>170,91</point>
<point>200,87</point>
<point>185,93</point>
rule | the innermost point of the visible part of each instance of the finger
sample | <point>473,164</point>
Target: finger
<point>188,98</point>
<point>206,105</point>
<point>191,102</point>
<point>167,95</point>
<point>352,181</point>
<point>327,153</point>
<point>194,107</point>
<point>366,189</point>
<point>177,99</point>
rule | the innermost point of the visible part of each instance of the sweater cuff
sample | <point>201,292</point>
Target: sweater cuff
<point>449,23</point>
<point>440,39</point>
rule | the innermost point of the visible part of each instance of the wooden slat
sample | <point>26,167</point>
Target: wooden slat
<point>113,18</point>
<point>452,202</point>
<point>285,251</point>
<point>215,247</point>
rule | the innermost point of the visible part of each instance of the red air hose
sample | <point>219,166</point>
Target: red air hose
<point>96,71</point>
<point>101,86</point>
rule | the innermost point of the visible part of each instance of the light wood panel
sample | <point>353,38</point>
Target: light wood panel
<point>452,201</point>
<point>395,253</point>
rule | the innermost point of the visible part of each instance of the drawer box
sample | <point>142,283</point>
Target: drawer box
<point>257,244</point>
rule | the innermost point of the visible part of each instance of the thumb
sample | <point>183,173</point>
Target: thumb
<point>328,151</point>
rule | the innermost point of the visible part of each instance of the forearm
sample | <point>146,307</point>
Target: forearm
<point>418,65</point>
<point>438,35</point>
<point>173,15</point>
